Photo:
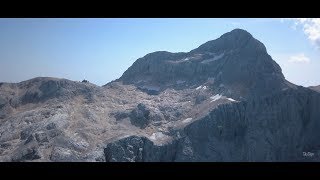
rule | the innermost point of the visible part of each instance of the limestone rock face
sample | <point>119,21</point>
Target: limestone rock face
<point>226,100</point>
<point>235,62</point>
<point>276,128</point>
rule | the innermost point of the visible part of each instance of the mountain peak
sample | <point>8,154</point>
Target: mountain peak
<point>239,31</point>
<point>236,60</point>
<point>233,40</point>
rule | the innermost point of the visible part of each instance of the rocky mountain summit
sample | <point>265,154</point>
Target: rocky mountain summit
<point>236,64</point>
<point>226,100</point>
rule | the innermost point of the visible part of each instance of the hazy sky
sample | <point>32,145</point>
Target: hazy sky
<point>100,50</point>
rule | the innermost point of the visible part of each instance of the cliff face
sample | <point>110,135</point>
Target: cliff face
<point>278,128</point>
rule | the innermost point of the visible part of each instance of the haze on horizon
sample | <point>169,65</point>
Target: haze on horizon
<point>100,50</point>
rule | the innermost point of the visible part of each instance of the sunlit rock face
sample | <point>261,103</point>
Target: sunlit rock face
<point>226,100</point>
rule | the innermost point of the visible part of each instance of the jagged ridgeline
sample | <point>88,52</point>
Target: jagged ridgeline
<point>226,100</point>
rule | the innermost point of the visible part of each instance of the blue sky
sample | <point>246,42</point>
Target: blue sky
<point>100,50</point>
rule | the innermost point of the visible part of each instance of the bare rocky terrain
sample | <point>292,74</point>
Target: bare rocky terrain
<point>315,88</point>
<point>226,100</point>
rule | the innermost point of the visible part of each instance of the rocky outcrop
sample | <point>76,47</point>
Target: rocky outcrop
<point>3,102</point>
<point>42,89</point>
<point>139,149</point>
<point>140,116</point>
<point>27,154</point>
<point>281,127</point>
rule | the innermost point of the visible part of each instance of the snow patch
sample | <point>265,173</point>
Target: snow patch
<point>215,97</point>
<point>213,59</point>
<point>230,99</point>
<point>180,82</point>
<point>157,136</point>
<point>185,59</point>
<point>187,120</point>
<point>201,87</point>
<point>194,57</point>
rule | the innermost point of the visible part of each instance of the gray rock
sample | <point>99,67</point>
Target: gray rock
<point>43,89</point>
<point>267,119</point>
<point>242,65</point>
<point>51,126</point>
<point>140,116</point>
<point>275,128</point>
<point>29,139</point>
<point>315,88</point>
<point>60,154</point>
<point>121,115</point>
<point>200,99</point>
<point>137,149</point>
<point>26,133</point>
<point>3,102</point>
<point>156,115</point>
<point>126,150</point>
<point>5,145</point>
<point>54,133</point>
<point>41,137</point>
<point>30,153</point>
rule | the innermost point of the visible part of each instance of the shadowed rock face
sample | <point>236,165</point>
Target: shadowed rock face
<point>139,149</point>
<point>140,116</point>
<point>226,100</point>
<point>236,62</point>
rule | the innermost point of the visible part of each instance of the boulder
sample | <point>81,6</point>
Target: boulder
<point>140,116</point>
<point>41,137</point>
<point>29,153</point>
